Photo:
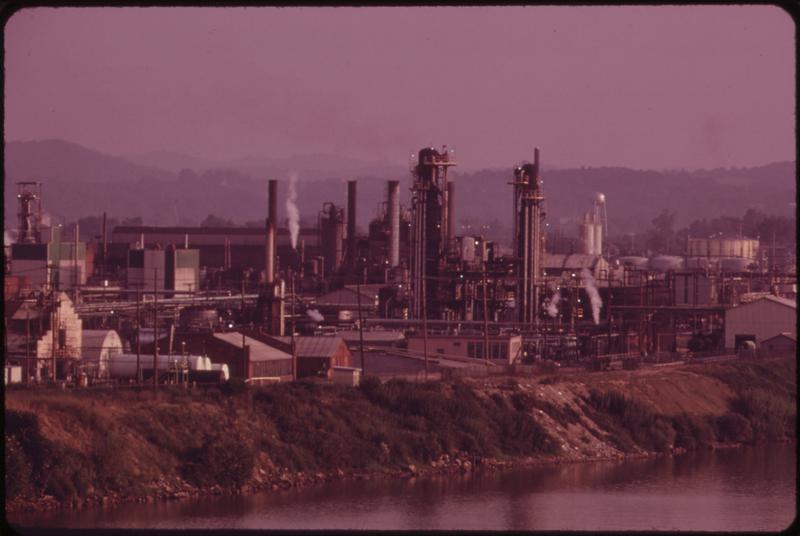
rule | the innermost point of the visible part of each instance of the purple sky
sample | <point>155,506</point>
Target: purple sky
<point>645,87</point>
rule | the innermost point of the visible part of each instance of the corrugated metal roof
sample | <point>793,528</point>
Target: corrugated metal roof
<point>372,336</point>
<point>314,346</point>
<point>785,334</point>
<point>348,296</point>
<point>258,350</point>
<point>783,301</point>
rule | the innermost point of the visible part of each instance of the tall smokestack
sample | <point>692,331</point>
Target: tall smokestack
<point>351,222</point>
<point>269,266</point>
<point>105,243</point>
<point>393,204</point>
<point>537,171</point>
<point>451,219</point>
<point>273,202</point>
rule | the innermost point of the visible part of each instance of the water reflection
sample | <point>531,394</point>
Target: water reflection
<point>743,489</point>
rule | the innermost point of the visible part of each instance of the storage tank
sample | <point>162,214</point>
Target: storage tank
<point>206,363</point>
<point>196,362</point>
<point>598,239</point>
<point>639,263</point>
<point>467,249</point>
<point>587,236</point>
<point>222,367</point>
<point>663,263</point>
<point>123,366</point>
<point>697,263</point>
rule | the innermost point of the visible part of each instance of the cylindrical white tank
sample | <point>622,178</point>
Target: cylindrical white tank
<point>224,368</point>
<point>123,366</point>
<point>196,362</point>
<point>598,239</point>
<point>662,263</point>
<point>587,238</point>
<point>207,363</point>
<point>467,249</point>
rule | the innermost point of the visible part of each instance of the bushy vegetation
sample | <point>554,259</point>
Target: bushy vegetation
<point>396,423</point>
<point>76,444</point>
<point>634,421</point>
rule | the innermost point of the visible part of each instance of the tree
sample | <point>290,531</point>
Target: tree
<point>215,221</point>
<point>661,238</point>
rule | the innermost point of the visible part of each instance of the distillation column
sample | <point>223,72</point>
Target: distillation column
<point>528,239</point>
<point>429,235</point>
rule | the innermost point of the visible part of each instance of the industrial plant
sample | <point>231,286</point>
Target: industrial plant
<point>410,297</point>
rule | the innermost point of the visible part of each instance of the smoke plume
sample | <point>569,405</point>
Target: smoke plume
<point>552,307</point>
<point>291,209</point>
<point>591,291</point>
<point>315,315</point>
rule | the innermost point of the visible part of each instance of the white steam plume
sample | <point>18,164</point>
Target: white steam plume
<point>552,307</point>
<point>291,209</point>
<point>315,315</point>
<point>594,296</point>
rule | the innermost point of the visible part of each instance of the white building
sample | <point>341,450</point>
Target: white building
<point>164,269</point>
<point>762,319</point>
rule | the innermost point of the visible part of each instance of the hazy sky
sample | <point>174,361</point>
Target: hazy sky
<point>645,87</point>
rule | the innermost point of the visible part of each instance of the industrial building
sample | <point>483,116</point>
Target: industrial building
<point>760,320</point>
<point>411,286</point>
<point>163,269</point>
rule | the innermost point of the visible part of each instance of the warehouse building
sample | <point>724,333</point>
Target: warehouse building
<point>170,269</point>
<point>760,321</point>
<point>506,348</point>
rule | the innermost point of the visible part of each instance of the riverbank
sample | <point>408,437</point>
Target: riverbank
<point>83,449</point>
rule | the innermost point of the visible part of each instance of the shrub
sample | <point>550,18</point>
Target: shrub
<point>234,386</point>
<point>17,468</point>
<point>733,427</point>
<point>645,428</point>
<point>692,432</point>
<point>770,417</point>
<point>226,460</point>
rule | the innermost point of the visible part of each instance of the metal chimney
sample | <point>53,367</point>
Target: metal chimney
<point>273,202</point>
<point>351,222</point>
<point>393,205</point>
<point>269,265</point>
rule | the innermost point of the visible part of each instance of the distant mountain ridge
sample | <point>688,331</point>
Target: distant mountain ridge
<point>78,181</point>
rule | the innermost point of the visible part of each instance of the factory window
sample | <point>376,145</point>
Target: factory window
<point>440,350</point>
<point>457,344</point>
<point>471,349</point>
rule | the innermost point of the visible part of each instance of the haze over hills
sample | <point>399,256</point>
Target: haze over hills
<point>169,189</point>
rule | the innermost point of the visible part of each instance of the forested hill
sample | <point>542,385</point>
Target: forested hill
<point>80,182</point>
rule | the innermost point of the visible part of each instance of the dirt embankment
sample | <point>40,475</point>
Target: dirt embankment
<point>87,448</point>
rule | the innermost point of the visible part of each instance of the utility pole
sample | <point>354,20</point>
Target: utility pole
<point>294,345</point>
<point>155,328</point>
<point>360,324</point>
<point>27,345</point>
<point>138,337</point>
<point>485,318</point>
<point>241,328</point>
<point>425,325</point>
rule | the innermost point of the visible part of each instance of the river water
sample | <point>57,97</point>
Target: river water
<point>747,489</point>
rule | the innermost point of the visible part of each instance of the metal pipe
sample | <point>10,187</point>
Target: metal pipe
<point>393,204</point>
<point>451,219</point>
